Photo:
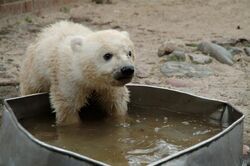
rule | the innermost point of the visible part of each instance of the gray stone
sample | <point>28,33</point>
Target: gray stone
<point>184,69</point>
<point>235,50</point>
<point>199,59</point>
<point>177,56</point>
<point>247,51</point>
<point>216,51</point>
<point>227,42</point>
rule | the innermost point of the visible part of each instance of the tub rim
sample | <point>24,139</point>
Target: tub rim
<point>160,161</point>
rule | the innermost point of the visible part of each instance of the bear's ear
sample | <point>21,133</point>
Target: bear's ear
<point>76,43</point>
<point>125,33</point>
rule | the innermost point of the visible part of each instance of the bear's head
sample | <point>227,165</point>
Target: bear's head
<point>105,57</point>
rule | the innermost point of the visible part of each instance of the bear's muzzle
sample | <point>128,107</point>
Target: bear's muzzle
<point>124,74</point>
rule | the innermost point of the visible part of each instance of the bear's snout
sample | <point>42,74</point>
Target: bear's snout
<point>124,74</point>
<point>127,71</point>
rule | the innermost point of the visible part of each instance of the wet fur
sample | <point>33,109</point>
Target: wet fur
<point>52,66</point>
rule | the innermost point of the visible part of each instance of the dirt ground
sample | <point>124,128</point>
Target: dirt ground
<point>150,23</point>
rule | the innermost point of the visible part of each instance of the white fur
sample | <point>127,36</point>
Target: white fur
<point>67,61</point>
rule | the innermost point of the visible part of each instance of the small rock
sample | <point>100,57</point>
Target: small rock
<point>216,51</point>
<point>184,69</point>
<point>229,42</point>
<point>243,41</point>
<point>235,50</point>
<point>199,59</point>
<point>247,51</point>
<point>177,56</point>
<point>168,47</point>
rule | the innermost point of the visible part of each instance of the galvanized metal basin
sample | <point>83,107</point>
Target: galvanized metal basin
<point>19,147</point>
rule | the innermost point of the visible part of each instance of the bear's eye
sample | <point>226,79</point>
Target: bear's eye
<point>107,56</point>
<point>129,53</point>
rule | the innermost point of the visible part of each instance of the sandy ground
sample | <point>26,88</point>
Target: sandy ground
<point>149,22</point>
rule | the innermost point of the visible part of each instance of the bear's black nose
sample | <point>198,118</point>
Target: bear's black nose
<point>127,70</point>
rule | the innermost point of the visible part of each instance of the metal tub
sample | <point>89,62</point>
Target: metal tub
<point>19,147</point>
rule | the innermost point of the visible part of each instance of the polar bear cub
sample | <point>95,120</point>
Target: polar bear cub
<point>71,62</point>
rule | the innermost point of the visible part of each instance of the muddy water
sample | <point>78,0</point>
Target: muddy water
<point>141,139</point>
